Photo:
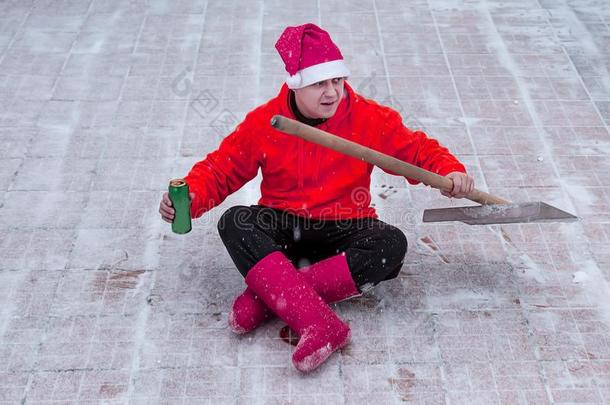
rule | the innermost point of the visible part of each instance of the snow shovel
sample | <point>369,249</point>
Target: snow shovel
<point>493,210</point>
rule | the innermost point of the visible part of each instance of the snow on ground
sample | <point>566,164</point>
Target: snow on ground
<point>102,102</point>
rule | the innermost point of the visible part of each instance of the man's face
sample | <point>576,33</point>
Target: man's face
<point>321,99</point>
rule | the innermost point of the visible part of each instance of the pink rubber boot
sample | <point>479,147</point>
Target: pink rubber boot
<point>287,293</point>
<point>330,278</point>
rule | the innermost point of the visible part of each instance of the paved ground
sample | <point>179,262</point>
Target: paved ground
<point>101,102</point>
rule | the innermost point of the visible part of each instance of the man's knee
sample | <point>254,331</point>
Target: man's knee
<point>393,244</point>
<point>395,250</point>
<point>236,218</point>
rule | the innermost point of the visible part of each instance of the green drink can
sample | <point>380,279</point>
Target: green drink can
<point>179,195</point>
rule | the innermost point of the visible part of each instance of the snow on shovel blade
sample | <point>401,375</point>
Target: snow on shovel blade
<point>499,214</point>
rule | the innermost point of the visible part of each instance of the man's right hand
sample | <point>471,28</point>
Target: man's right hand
<point>166,208</point>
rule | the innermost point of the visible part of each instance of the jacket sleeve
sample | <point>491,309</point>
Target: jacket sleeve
<point>416,148</point>
<point>224,170</point>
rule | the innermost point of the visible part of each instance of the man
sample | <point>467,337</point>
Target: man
<point>315,203</point>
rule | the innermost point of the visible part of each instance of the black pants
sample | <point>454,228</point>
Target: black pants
<point>375,250</point>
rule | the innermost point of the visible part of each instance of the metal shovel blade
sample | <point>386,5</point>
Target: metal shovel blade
<point>499,214</point>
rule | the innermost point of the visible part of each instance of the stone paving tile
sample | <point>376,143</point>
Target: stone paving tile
<point>102,101</point>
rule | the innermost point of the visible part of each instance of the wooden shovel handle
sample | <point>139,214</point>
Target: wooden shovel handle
<point>376,158</point>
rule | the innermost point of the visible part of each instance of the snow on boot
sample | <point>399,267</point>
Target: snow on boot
<point>330,278</point>
<point>287,293</point>
<point>247,312</point>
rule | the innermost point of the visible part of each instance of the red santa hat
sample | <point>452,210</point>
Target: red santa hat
<point>310,56</point>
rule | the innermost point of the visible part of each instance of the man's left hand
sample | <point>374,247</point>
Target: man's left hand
<point>463,185</point>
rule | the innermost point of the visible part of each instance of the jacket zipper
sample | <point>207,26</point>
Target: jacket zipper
<point>301,165</point>
<point>316,172</point>
<point>316,158</point>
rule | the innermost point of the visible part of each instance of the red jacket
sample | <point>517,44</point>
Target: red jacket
<point>304,177</point>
